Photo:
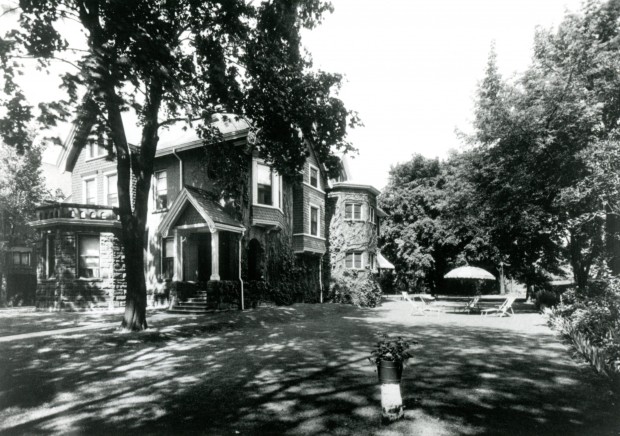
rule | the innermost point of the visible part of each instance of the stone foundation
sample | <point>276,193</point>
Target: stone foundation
<point>66,291</point>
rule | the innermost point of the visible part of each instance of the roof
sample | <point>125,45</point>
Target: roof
<point>352,185</point>
<point>172,138</point>
<point>216,218</point>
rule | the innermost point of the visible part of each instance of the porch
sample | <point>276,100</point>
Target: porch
<point>200,253</point>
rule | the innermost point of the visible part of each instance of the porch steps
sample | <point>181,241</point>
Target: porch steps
<point>196,305</point>
<point>190,307</point>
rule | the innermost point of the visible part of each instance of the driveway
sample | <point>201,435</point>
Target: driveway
<point>302,370</point>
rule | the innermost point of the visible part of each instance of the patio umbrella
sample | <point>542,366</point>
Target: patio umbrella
<point>469,272</point>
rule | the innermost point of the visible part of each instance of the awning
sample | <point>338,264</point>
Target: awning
<point>382,262</point>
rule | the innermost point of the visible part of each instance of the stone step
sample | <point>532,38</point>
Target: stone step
<point>194,300</point>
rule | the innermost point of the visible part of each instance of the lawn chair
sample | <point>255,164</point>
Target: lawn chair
<point>472,305</point>
<point>420,309</point>
<point>504,309</point>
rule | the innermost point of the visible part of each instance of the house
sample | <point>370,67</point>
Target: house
<point>198,246</point>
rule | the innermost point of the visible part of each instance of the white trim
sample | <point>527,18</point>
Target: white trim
<point>191,226</point>
<point>270,223</point>
<point>88,179</point>
<point>315,188</point>
<point>75,221</point>
<point>318,219</point>
<point>360,203</point>
<point>318,176</point>
<point>228,228</point>
<point>309,250</point>
<point>277,198</point>
<point>361,253</point>
<point>309,236</point>
<point>106,176</point>
<point>154,180</point>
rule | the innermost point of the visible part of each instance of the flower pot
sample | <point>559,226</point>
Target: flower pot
<point>389,372</point>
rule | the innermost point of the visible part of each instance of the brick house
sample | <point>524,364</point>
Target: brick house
<point>193,238</point>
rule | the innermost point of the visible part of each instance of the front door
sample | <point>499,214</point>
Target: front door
<point>204,257</point>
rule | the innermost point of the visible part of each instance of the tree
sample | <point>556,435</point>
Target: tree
<point>535,136</point>
<point>171,61</point>
<point>433,223</point>
<point>21,191</point>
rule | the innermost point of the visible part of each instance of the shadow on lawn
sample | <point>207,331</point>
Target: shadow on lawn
<point>300,370</point>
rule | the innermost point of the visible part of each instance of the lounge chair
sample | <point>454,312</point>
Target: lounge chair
<point>471,305</point>
<point>418,308</point>
<point>504,309</point>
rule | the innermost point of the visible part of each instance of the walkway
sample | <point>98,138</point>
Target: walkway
<point>302,370</point>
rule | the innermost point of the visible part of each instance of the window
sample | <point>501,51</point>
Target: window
<point>161,190</point>
<point>88,256</point>
<point>371,214</point>
<point>371,261</point>
<point>90,191</point>
<point>111,190</point>
<point>314,177</point>
<point>167,256</point>
<point>21,258</point>
<point>95,150</point>
<point>264,181</point>
<point>314,221</point>
<point>353,211</point>
<point>50,253</point>
<point>353,260</point>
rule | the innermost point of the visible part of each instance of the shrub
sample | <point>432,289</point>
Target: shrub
<point>595,312</point>
<point>357,288</point>
<point>183,290</point>
<point>223,294</point>
<point>546,298</point>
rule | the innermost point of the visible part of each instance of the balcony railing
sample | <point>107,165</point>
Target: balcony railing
<point>74,213</point>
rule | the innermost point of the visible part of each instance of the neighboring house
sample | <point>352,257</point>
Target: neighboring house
<point>193,237</point>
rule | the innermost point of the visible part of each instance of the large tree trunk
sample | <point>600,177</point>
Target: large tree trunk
<point>135,299</point>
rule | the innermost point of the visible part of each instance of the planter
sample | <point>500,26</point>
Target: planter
<point>389,372</point>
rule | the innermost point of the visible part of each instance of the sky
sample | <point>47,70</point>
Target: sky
<point>412,68</point>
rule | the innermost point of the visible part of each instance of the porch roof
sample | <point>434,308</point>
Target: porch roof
<point>214,215</point>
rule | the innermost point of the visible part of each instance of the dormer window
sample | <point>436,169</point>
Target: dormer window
<point>314,177</point>
<point>95,150</point>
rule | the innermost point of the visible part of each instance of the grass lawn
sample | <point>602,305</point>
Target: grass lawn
<point>296,370</point>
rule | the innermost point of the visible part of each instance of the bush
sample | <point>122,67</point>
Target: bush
<point>594,312</point>
<point>387,282</point>
<point>546,298</point>
<point>223,294</point>
<point>357,288</point>
<point>183,290</point>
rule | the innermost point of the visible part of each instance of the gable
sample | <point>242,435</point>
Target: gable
<point>189,216</point>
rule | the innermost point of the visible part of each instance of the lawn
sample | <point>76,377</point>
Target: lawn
<point>299,370</point>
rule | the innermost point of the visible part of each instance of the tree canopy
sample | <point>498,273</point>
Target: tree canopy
<point>168,62</point>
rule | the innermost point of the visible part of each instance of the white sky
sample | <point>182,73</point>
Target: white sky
<point>412,67</point>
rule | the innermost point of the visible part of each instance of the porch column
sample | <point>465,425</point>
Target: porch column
<point>215,255</point>
<point>178,258</point>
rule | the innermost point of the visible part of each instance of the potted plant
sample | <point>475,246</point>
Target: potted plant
<point>389,355</point>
